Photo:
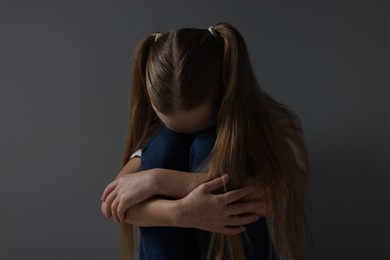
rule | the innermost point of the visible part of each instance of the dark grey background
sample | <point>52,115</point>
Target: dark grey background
<point>64,84</point>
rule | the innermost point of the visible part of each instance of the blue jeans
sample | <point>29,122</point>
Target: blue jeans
<point>183,152</point>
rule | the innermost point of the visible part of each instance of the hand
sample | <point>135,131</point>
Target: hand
<point>125,192</point>
<point>220,213</point>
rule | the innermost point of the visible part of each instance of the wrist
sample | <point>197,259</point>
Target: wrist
<point>163,182</point>
<point>179,214</point>
<point>155,183</point>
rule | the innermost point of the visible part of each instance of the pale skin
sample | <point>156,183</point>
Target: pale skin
<point>140,199</point>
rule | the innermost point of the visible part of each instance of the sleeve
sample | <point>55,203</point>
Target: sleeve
<point>137,153</point>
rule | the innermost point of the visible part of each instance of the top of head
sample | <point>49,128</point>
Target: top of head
<point>187,68</point>
<point>183,69</point>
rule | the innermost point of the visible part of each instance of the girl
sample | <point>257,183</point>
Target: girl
<point>196,106</point>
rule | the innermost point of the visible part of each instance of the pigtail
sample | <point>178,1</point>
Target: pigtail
<point>141,118</point>
<point>260,137</point>
<point>230,145</point>
<point>232,112</point>
<point>141,113</point>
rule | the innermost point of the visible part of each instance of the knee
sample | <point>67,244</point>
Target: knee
<point>201,148</point>
<point>166,149</point>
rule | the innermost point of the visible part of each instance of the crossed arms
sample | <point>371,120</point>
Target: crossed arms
<point>161,197</point>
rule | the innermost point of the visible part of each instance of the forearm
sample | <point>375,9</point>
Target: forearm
<point>138,193</point>
<point>201,209</point>
<point>165,182</point>
<point>175,184</point>
<point>129,189</point>
<point>155,212</point>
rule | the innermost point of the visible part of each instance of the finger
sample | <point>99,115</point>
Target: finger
<point>244,207</point>
<point>110,187</point>
<point>114,209</point>
<point>242,220</point>
<point>237,194</point>
<point>215,184</point>
<point>103,208</point>
<point>265,211</point>
<point>121,211</point>
<point>269,209</point>
<point>109,200</point>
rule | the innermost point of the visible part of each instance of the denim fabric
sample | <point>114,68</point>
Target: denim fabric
<point>183,152</point>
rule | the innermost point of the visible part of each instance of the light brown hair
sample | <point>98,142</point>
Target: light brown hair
<point>256,135</point>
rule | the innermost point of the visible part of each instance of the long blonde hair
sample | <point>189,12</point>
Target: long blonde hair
<point>256,135</point>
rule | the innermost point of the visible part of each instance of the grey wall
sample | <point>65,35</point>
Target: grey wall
<point>64,84</point>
